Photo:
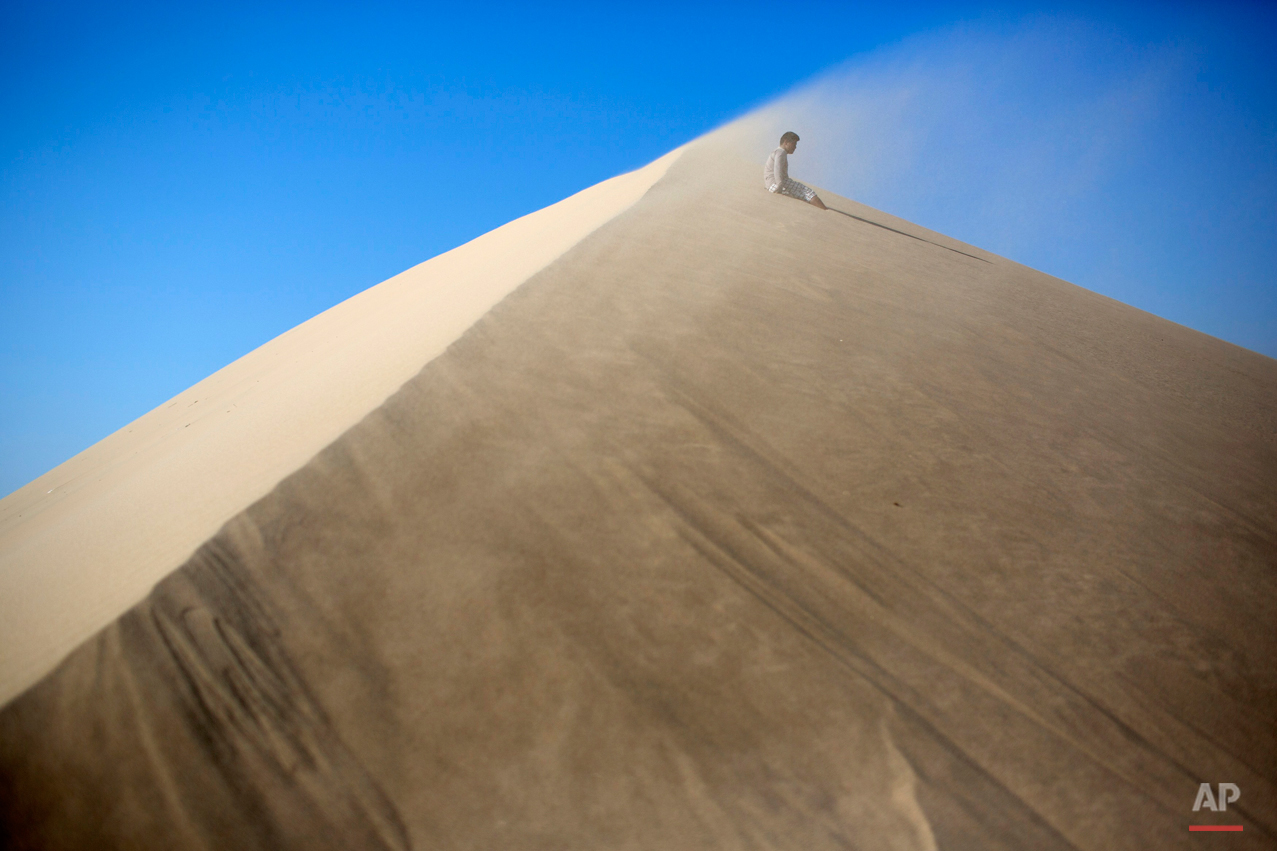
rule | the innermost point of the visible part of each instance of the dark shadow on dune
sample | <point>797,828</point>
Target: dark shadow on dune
<point>911,236</point>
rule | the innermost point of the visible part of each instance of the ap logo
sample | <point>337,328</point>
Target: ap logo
<point>1228,792</point>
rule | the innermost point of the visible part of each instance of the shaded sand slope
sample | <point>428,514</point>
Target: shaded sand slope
<point>88,539</point>
<point>741,525</point>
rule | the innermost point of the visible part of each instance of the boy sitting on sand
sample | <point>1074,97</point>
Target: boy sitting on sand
<point>776,173</point>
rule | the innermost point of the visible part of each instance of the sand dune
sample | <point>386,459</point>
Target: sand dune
<point>88,539</point>
<point>739,525</point>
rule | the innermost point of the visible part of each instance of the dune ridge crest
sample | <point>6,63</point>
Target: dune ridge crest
<point>89,538</point>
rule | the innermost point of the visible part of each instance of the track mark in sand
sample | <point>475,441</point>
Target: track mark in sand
<point>902,233</point>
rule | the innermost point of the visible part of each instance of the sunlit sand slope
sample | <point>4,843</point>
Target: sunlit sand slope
<point>85,541</point>
<point>741,525</point>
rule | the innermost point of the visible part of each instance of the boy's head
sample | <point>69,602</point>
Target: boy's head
<point>789,141</point>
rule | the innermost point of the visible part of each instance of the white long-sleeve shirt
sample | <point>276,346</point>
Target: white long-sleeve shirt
<point>776,172</point>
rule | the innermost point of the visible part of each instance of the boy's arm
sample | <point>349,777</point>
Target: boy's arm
<point>782,167</point>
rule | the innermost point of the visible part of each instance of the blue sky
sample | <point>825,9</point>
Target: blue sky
<point>180,184</point>
<point>1141,164</point>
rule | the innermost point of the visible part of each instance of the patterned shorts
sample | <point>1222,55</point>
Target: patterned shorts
<point>794,189</point>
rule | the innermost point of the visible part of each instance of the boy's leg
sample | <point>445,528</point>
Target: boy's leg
<point>802,192</point>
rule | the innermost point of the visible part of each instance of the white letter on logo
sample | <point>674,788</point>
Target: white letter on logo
<point>1228,792</point>
<point>1205,795</point>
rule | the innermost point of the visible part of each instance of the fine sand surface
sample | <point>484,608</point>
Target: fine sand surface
<point>87,540</point>
<point>740,525</point>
